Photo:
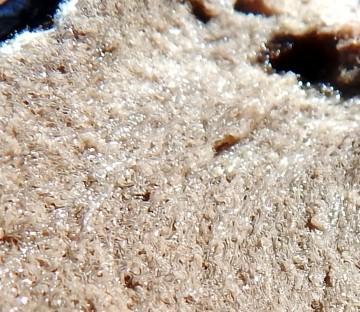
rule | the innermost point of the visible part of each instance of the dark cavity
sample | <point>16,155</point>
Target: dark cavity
<point>256,7</point>
<point>319,59</point>
<point>19,15</point>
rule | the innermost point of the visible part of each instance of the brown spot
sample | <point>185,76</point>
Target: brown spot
<point>313,224</point>
<point>282,267</point>
<point>314,175</point>
<point>90,305</point>
<point>130,281</point>
<point>257,7</point>
<point>42,263</point>
<point>61,68</point>
<point>189,299</point>
<point>202,12</point>
<point>317,306</point>
<point>77,33</point>
<point>321,58</point>
<point>11,240</point>
<point>146,196</point>
<point>108,48</point>
<point>225,143</point>
<point>327,280</point>
<point>75,301</point>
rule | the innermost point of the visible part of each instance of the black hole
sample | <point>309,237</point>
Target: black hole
<point>17,15</point>
<point>256,7</point>
<point>317,58</point>
<point>311,56</point>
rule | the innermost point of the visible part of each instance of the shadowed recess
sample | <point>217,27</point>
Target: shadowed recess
<point>18,15</point>
<point>202,12</point>
<point>256,7</point>
<point>317,58</point>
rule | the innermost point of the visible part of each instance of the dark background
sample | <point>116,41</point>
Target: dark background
<point>17,15</point>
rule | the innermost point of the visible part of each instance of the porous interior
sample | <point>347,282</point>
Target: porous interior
<point>149,164</point>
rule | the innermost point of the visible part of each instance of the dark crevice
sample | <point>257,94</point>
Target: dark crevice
<point>146,196</point>
<point>311,56</point>
<point>319,59</point>
<point>18,15</point>
<point>256,7</point>
<point>202,12</point>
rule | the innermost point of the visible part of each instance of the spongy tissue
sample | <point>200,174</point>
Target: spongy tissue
<point>149,163</point>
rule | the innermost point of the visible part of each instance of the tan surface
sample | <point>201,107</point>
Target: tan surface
<point>112,198</point>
